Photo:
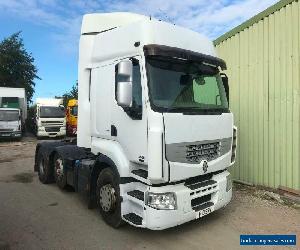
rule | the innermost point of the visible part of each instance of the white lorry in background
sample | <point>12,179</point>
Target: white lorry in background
<point>13,112</point>
<point>155,134</point>
<point>50,117</point>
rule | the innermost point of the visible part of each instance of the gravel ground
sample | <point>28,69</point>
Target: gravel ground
<point>37,216</point>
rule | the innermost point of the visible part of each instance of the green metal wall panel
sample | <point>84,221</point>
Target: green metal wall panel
<point>264,73</point>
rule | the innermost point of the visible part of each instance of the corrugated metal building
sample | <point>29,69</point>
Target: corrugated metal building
<point>262,56</point>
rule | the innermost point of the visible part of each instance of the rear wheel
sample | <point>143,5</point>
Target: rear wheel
<point>45,171</point>
<point>59,171</point>
<point>108,197</point>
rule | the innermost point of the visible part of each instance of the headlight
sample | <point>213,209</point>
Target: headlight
<point>164,201</point>
<point>228,182</point>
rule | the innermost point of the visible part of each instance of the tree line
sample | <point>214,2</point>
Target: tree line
<point>18,69</point>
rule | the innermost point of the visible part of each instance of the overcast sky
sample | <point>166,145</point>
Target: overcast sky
<point>51,28</point>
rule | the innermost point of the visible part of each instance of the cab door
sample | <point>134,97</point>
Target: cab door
<point>129,125</point>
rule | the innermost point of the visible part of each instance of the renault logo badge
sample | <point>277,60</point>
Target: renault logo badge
<point>204,166</point>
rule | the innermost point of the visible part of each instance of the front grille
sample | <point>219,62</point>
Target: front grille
<point>50,122</point>
<point>199,152</point>
<point>52,129</point>
<point>6,130</point>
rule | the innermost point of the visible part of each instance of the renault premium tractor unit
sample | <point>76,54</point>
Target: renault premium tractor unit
<point>50,120</point>
<point>155,135</point>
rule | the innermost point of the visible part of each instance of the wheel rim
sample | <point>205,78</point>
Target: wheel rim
<point>59,169</point>
<point>41,167</point>
<point>107,198</point>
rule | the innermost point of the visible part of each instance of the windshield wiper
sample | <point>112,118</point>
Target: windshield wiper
<point>196,110</point>
<point>177,109</point>
<point>208,111</point>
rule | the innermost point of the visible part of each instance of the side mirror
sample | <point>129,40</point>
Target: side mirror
<point>124,84</point>
<point>226,85</point>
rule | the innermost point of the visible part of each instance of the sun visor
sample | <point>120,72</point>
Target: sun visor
<point>162,50</point>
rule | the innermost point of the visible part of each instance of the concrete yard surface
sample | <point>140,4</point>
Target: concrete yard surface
<point>37,216</point>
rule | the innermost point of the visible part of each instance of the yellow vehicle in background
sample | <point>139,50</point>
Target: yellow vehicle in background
<point>71,117</point>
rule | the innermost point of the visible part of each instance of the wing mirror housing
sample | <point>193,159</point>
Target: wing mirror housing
<point>124,83</point>
<point>62,107</point>
<point>226,85</point>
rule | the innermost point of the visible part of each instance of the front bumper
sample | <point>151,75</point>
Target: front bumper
<point>161,219</point>
<point>10,134</point>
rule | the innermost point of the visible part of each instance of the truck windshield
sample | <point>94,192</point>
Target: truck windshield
<point>74,110</point>
<point>9,115</point>
<point>49,112</point>
<point>183,86</point>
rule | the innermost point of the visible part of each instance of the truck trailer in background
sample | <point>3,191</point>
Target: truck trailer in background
<point>13,112</point>
<point>50,118</point>
<point>155,133</point>
<point>71,117</point>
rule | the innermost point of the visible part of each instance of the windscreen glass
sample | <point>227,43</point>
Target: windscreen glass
<point>179,85</point>
<point>9,115</point>
<point>49,112</point>
<point>74,110</point>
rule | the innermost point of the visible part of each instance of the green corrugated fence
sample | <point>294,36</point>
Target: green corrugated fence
<point>264,73</point>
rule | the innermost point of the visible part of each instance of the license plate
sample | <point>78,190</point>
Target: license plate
<point>205,211</point>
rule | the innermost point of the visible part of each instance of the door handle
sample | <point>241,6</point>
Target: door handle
<point>113,130</point>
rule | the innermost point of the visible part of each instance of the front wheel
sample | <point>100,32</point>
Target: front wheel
<point>108,197</point>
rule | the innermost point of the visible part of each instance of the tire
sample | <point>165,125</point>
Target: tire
<point>44,170</point>
<point>59,171</point>
<point>108,179</point>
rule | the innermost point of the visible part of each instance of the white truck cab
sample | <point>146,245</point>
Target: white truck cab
<point>50,118</point>
<point>154,119</point>
<point>13,112</point>
<point>10,123</point>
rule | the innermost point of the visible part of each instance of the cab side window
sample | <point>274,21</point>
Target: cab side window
<point>136,86</point>
<point>136,110</point>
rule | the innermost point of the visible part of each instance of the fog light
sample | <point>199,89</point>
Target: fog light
<point>164,201</point>
<point>228,182</point>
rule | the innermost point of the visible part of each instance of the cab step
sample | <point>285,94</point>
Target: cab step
<point>136,194</point>
<point>133,218</point>
<point>140,172</point>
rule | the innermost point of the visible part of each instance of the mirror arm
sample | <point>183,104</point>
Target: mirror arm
<point>225,84</point>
